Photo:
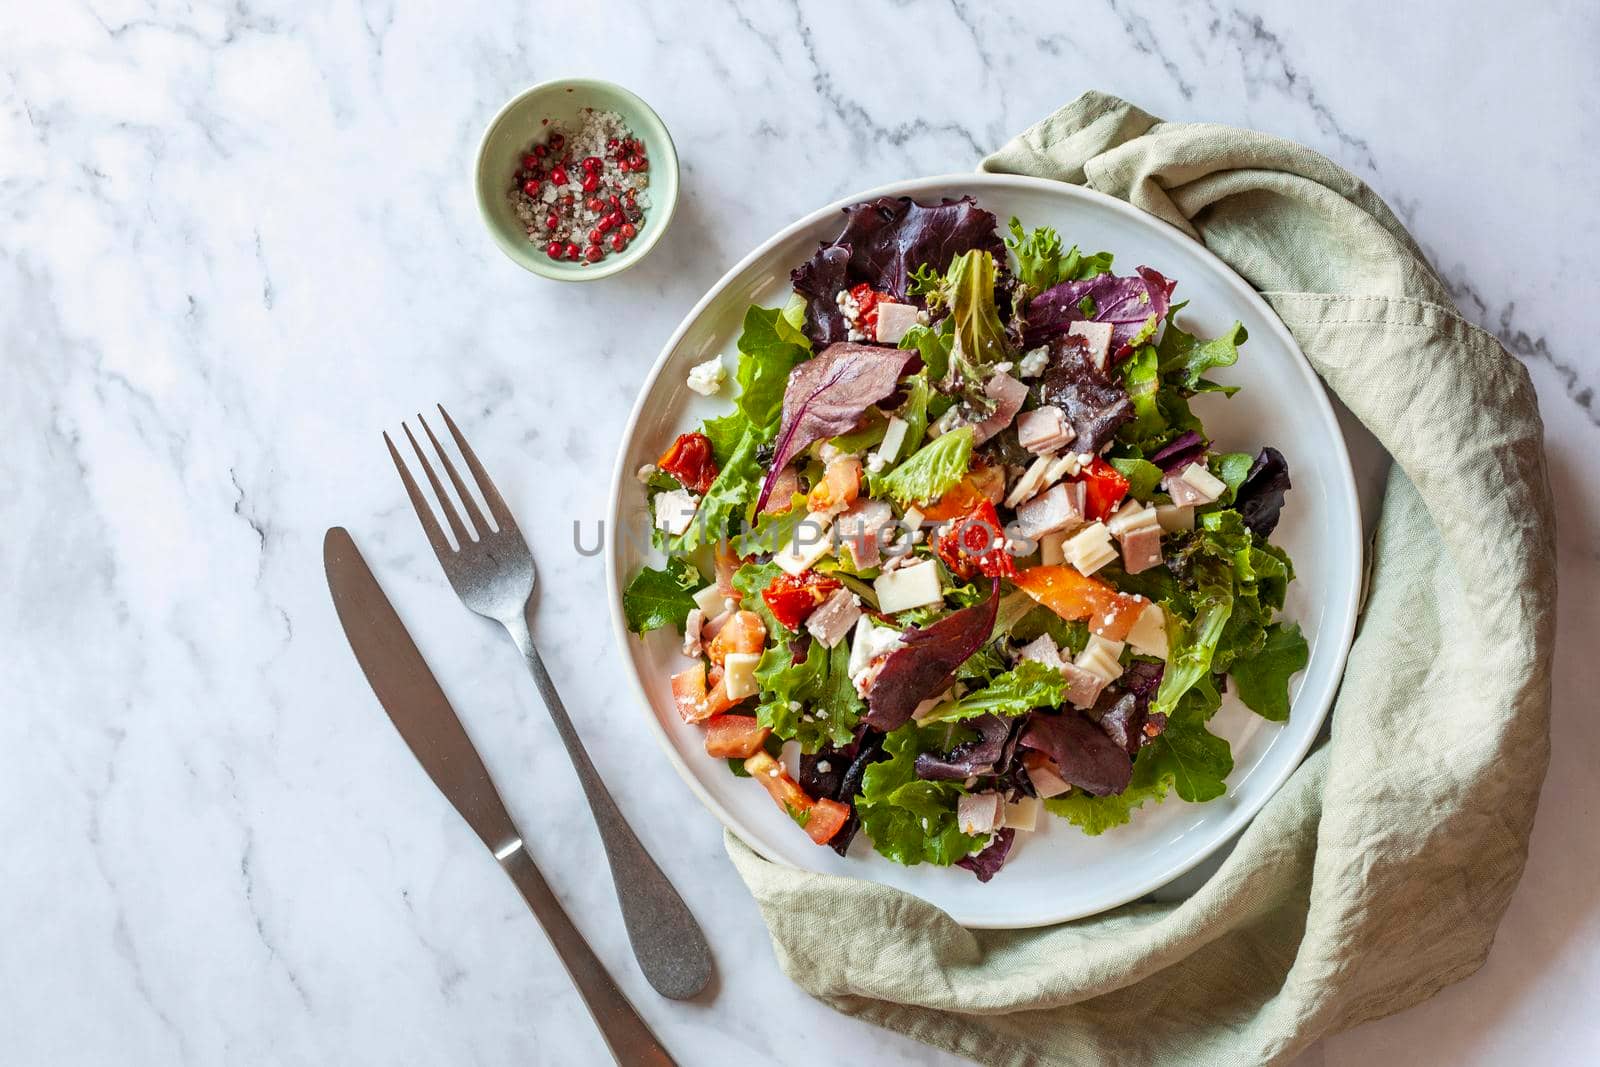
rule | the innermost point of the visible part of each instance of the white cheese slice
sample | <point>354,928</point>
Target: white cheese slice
<point>1046,782</point>
<point>1032,480</point>
<point>1099,658</point>
<point>811,541</point>
<point>1148,634</point>
<point>1130,517</point>
<point>894,435</point>
<point>710,600</point>
<point>1173,518</point>
<point>1021,814</point>
<point>1204,481</point>
<point>1090,548</point>
<point>739,674</point>
<point>908,587</point>
<point>1062,467</point>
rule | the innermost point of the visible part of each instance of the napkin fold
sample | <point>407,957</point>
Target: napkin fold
<point>1379,872</point>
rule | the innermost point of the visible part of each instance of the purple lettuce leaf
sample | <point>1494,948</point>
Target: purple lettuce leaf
<point>979,756</point>
<point>820,280</point>
<point>927,660</point>
<point>883,242</point>
<point>987,863</point>
<point>1095,403</point>
<point>1185,449</point>
<point>1260,495</point>
<point>827,395</point>
<point>1087,757</point>
<point>1134,305</point>
<point>1124,717</point>
<point>835,774</point>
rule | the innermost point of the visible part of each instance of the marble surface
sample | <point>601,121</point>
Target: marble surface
<point>238,241</point>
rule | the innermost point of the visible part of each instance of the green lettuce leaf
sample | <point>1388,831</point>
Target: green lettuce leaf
<point>980,336</point>
<point>657,598</point>
<point>910,820</point>
<point>1262,680</point>
<point>930,471</point>
<point>769,348</point>
<point>1018,691</point>
<point>919,391</point>
<point>1185,357</point>
<point>749,580</point>
<point>820,685</point>
<point>1143,476</point>
<point>933,344</point>
<point>1095,815</point>
<point>725,433</point>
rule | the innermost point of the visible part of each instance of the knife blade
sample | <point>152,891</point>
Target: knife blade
<point>411,695</point>
<point>417,706</point>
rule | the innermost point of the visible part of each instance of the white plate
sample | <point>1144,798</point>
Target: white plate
<point>1057,873</point>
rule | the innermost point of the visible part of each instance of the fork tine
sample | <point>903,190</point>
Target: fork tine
<point>497,505</point>
<point>467,502</point>
<point>419,503</point>
<point>445,506</point>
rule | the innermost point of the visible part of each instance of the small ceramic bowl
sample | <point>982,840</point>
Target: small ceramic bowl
<point>521,122</point>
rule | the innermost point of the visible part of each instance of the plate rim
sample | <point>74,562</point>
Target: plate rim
<point>1237,821</point>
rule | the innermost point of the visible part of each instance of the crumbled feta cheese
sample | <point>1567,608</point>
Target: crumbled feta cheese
<point>739,674</point>
<point>1034,362</point>
<point>1148,635</point>
<point>823,766</point>
<point>1090,548</point>
<point>1085,458</point>
<point>1004,367</point>
<point>908,587</point>
<point>707,378</point>
<point>645,473</point>
<point>675,510</point>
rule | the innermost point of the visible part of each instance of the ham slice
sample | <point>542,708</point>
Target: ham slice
<point>1057,508</point>
<point>1008,395</point>
<point>1044,430</point>
<point>1141,549</point>
<point>834,618</point>
<point>893,321</point>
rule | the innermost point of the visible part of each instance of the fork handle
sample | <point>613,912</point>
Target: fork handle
<point>667,941</point>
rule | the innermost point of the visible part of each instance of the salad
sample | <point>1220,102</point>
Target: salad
<point>960,556</point>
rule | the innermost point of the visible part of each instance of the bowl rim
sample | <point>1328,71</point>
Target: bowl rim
<point>1346,600</point>
<point>662,211</point>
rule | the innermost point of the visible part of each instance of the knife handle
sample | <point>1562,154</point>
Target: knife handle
<point>625,1033</point>
<point>667,941</point>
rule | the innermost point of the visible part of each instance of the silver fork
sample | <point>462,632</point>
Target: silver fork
<point>493,573</point>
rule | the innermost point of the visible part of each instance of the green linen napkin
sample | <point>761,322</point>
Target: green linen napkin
<point>1379,872</point>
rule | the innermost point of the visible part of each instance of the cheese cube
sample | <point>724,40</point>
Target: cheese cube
<point>1022,814</point>
<point>1148,635</point>
<point>675,510</point>
<point>1204,482</point>
<point>1090,548</point>
<point>1050,553</point>
<point>811,541</point>
<point>1099,657</point>
<point>739,674</point>
<point>909,587</point>
<point>711,600</point>
<point>893,437</point>
<point>1032,480</point>
<point>1175,518</point>
<point>1062,467</point>
<point>1130,517</point>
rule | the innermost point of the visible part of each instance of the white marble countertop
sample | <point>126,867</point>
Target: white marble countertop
<point>238,241</point>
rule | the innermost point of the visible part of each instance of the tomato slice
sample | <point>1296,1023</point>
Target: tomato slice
<point>717,700</point>
<point>690,461</point>
<point>794,596</point>
<point>1103,489</point>
<point>689,692</point>
<point>867,298</point>
<point>776,781</point>
<point>979,484</point>
<point>967,545</point>
<point>727,561</point>
<point>735,736</point>
<point>745,632</point>
<point>826,819</point>
<point>1071,595</point>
